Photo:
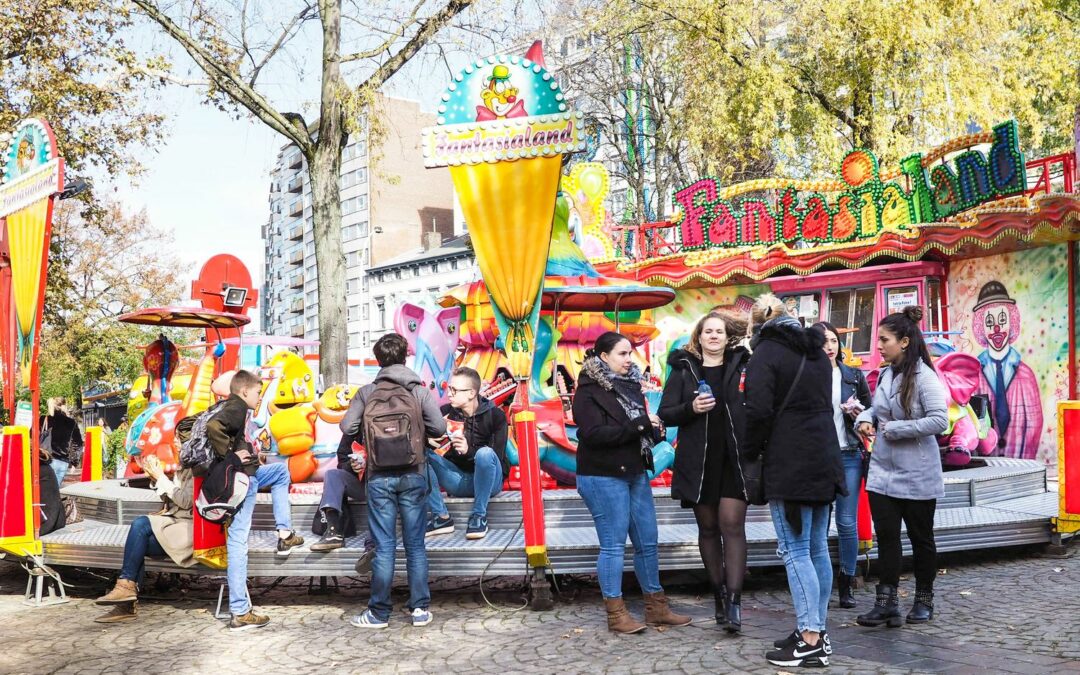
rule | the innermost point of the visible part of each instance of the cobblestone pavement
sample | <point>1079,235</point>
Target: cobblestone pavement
<point>1005,611</point>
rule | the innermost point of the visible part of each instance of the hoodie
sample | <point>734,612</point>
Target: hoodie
<point>487,427</point>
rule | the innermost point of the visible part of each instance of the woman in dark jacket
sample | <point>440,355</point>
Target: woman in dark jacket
<point>789,426</point>
<point>707,476</point>
<point>850,396</point>
<point>615,435</point>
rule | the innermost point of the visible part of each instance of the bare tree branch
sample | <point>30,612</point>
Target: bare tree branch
<point>395,35</point>
<point>286,34</point>
<point>428,28</point>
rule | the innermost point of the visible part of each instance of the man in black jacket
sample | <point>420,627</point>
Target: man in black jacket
<point>473,463</point>
<point>65,440</point>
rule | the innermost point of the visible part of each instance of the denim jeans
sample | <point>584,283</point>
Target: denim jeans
<point>482,484</point>
<point>60,468</point>
<point>140,543</point>
<point>806,559</point>
<point>276,476</point>
<point>387,496</point>
<point>847,511</point>
<point>621,506</point>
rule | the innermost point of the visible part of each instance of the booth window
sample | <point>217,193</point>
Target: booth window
<point>803,306</point>
<point>934,321</point>
<point>853,308</point>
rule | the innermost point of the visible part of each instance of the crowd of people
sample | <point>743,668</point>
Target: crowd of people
<point>766,411</point>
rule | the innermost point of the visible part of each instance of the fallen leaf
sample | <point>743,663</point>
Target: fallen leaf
<point>965,593</point>
<point>565,636</point>
<point>579,631</point>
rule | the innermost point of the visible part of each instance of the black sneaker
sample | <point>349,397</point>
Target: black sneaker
<point>363,563</point>
<point>328,542</point>
<point>827,642</point>
<point>477,528</point>
<point>784,643</point>
<point>800,655</point>
<point>440,525</point>
<point>286,545</point>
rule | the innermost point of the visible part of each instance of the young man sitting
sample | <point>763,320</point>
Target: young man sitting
<point>226,432</point>
<point>475,464</point>
<point>395,486</point>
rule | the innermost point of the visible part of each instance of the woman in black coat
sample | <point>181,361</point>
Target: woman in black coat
<point>789,426</point>
<point>706,475</point>
<point>615,435</point>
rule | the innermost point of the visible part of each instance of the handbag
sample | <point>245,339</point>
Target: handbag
<point>753,471</point>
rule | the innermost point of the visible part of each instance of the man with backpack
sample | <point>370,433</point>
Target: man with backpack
<point>226,431</point>
<point>392,417</point>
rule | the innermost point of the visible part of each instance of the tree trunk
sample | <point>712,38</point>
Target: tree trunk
<point>324,167</point>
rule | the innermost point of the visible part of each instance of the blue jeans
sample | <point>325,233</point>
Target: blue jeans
<point>140,543</point>
<point>482,484</point>
<point>276,476</point>
<point>847,512</point>
<point>60,468</point>
<point>622,506</point>
<point>806,558</point>
<point>387,496</point>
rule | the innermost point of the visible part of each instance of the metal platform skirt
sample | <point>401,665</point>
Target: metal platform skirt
<point>1004,503</point>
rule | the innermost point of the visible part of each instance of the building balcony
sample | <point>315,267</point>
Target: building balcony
<point>297,281</point>
<point>296,185</point>
<point>297,258</point>
<point>297,306</point>
<point>296,233</point>
<point>296,208</point>
<point>297,331</point>
<point>295,160</point>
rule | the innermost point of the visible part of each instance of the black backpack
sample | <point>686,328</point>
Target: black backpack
<point>393,428</point>
<point>196,453</point>
<point>223,490</point>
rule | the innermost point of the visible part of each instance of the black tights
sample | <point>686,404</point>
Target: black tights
<point>722,542</point>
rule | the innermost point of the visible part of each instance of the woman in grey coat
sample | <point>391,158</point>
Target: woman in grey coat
<point>905,479</point>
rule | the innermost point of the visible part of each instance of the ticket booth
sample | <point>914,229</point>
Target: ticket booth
<point>856,300</point>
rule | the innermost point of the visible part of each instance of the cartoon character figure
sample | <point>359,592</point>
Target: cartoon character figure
<point>1015,402</point>
<point>433,340</point>
<point>967,433</point>
<point>500,98</point>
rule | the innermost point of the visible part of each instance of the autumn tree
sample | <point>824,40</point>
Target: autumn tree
<point>234,43</point>
<point>90,285</point>
<point>67,61</point>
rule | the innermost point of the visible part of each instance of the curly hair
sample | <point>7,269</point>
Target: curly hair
<point>979,327</point>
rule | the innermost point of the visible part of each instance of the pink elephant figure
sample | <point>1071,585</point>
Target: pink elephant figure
<point>433,341</point>
<point>967,434</point>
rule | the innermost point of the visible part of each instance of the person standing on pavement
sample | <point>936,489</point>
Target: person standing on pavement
<point>789,428</point>
<point>850,396</point>
<point>65,441</point>
<point>400,487</point>
<point>905,478</point>
<point>616,434</point>
<point>707,476</point>
<point>474,465</point>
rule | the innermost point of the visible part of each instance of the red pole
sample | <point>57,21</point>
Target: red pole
<point>532,496</point>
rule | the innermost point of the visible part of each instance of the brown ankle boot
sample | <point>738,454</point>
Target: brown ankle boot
<point>619,619</point>
<point>123,611</point>
<point>124,591</point>
<point>657,612</point>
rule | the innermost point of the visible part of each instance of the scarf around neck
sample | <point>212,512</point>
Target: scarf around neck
<point>627,389</point>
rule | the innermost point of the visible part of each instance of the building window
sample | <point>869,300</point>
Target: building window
<point>364,312</point>
<point>397,274</point>
<point>361,175</point>
<point>353,313</point>
<point>853,309</point>
<point>362,226</point>
<point>312,297</point>
<point>361,148</point>
<point>361,202</point>
<point>352,286</point>
<point>353,258</point>
<point>349,232</point>
<point>380,313</point>
<point>354,341</point>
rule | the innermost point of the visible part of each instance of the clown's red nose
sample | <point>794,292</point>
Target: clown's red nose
<point>511,99</point>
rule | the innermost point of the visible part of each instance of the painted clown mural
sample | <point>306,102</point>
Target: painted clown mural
<point>1008,307</point>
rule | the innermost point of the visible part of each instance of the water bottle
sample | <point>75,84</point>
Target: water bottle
<point>703,388</point>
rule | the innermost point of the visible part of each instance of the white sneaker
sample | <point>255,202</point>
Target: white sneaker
<point>421,617</point>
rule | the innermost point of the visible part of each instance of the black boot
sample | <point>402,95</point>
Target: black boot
<point>734,612</point>
<point>923,609</point>
<point>720,597</point>
<point>847,598</point>
<point>886,610</point>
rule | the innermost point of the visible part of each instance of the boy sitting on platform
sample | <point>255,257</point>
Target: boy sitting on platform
<point>474,463</point>
<point>226,431</point>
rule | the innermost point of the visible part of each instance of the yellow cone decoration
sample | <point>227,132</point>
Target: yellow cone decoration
<point>503,128</point>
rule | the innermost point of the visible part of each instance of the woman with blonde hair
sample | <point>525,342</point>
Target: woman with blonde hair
<point>703,398</point>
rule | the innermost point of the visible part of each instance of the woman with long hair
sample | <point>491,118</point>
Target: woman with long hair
<point>850,396</point>
<point>905,479</point>
<point>706,476</point>
<point>616,435</point>
<point>789,428</point>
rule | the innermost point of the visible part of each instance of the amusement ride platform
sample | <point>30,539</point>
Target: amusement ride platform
<point>1004,503</point>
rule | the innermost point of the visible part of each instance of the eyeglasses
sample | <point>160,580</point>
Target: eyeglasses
<point>453,392</point>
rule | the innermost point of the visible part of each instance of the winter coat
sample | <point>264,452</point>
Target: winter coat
<point>799,450</point>
<point>609,442</point>
<point>906,462</point>
<point>66,442</point>
<point>226,430</point>
<point>173,526</point>
<point>676,410</point>
<point>353,422</point>
<point>53,517</point>
<point>485,428</point>
<point>853,383</point>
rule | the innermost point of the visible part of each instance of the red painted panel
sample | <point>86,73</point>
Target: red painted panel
<point>13,488</point>
<point>1070,435</point>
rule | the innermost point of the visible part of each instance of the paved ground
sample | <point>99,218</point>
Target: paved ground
<point>1003,612</point>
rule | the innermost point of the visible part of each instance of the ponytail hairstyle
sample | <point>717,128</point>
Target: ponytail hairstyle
<point>766,308</point>
<point>605,344</point>
<point>905,324</point>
